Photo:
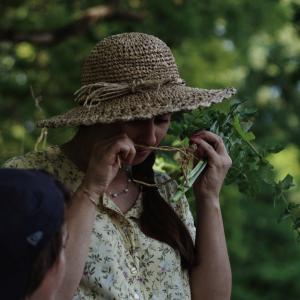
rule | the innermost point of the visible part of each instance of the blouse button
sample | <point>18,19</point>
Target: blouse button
<point>133,270</point>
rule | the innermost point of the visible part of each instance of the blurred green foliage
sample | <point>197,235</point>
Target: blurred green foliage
<point>251,45</point>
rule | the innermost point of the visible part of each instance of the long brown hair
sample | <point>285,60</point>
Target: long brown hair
<point>159,220</point>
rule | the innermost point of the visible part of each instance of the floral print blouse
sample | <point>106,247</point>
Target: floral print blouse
<point>123,263</point>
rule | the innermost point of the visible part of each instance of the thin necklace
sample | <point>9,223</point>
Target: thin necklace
<point>126,189</point>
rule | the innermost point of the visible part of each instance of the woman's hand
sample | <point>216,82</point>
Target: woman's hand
<point>210,147</point>
<point>104,165</point>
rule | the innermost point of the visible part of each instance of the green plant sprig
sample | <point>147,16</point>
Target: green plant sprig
<point>251,172</point>
<point>185,185</point>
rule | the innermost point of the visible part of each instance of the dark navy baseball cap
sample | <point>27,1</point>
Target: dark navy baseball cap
<point>31,213</point>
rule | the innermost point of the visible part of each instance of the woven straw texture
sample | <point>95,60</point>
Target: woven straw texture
<point>132,76</point>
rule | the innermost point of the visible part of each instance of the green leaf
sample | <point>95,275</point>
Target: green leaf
<point>246,136</point>
<point>286,183</point>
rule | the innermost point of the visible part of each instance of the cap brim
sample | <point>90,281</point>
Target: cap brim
<point>139,106</point>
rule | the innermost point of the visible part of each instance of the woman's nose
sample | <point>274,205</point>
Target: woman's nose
<point>148,133</point>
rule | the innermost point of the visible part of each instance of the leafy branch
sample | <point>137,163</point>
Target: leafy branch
<point>251,171</point>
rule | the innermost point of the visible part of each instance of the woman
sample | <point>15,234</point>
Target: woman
<point>129,240</point>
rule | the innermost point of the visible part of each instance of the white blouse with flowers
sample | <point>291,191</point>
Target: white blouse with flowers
<point>123,263</point>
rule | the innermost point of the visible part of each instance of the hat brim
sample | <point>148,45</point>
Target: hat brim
<point>140,106</point>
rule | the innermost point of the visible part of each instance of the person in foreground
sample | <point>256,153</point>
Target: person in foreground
<point>32,234</point>
<point>138,243</point>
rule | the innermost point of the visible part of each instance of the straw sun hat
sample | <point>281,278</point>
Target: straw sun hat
<point>132,76</point>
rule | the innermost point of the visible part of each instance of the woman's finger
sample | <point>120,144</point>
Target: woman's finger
<point>208,150</point>
<point>131,154</point>
<point>126,149</point>
<point>214,140</point>
<point>214,158</point>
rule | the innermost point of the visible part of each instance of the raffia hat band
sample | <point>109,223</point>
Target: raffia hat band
<point>91,95</point>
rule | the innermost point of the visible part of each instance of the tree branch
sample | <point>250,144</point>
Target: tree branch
<point>77,27</point>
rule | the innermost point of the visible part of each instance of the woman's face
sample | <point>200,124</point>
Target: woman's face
<point>148,132</point>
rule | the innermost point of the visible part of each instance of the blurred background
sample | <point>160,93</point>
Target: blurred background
<point>251,45</point>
